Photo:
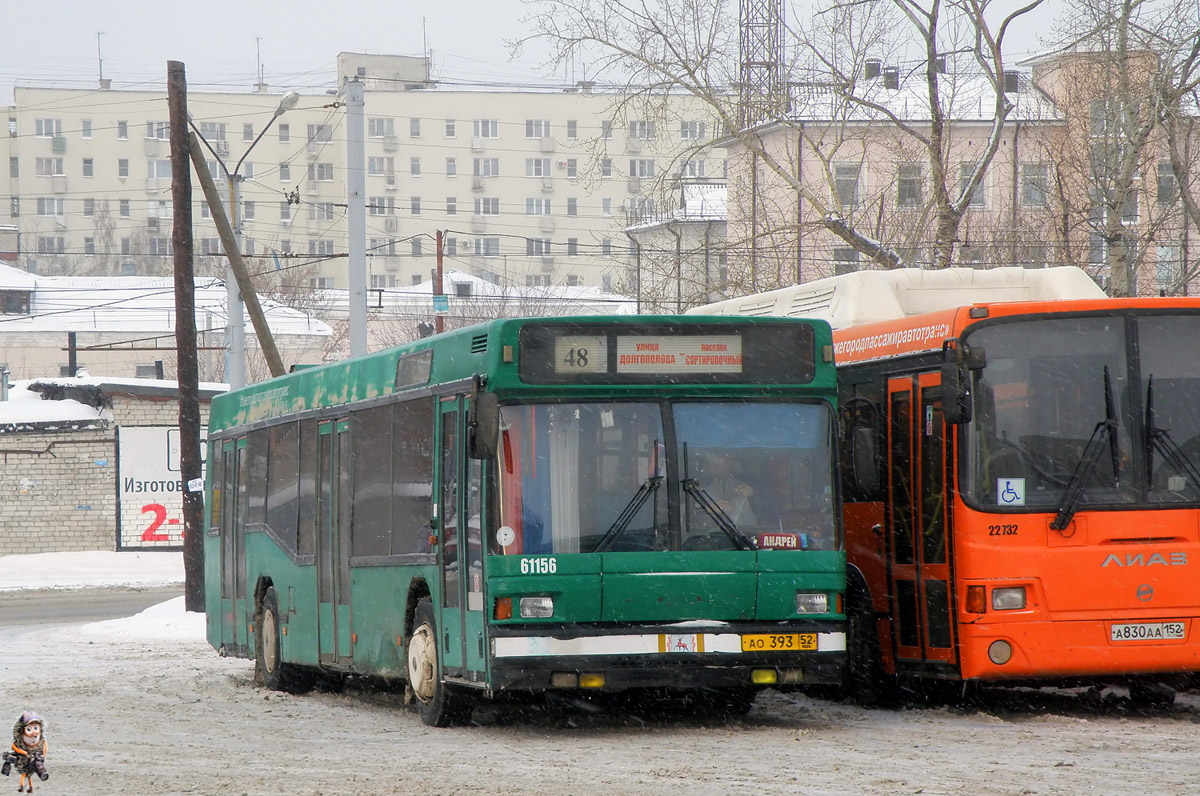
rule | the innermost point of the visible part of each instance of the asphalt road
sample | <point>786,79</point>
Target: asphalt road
<point>63,606</point>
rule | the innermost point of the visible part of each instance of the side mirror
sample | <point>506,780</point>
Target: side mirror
<point>484,425</point>
<point>958,361</point>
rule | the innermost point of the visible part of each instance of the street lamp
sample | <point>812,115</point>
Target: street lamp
<point>235,329</point>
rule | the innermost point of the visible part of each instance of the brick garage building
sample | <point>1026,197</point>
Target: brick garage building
<point>60,485</point>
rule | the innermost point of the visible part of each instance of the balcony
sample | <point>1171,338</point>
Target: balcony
<point>390,144</point>
<point>547,144</point>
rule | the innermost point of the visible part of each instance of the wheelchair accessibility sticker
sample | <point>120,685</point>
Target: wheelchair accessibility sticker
<point>1010,491</point>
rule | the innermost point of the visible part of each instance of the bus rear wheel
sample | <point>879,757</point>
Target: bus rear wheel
<point>269,668</point>
<point>440,704</point>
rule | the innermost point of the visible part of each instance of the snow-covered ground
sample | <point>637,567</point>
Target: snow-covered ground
<point>102,569</point>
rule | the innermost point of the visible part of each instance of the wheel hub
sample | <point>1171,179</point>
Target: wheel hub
<point>422,663</point>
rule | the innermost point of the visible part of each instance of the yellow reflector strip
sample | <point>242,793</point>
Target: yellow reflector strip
<point>763,677</point>
<point>591,681</point>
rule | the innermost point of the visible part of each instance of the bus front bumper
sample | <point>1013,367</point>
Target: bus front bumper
<point>635,657</point>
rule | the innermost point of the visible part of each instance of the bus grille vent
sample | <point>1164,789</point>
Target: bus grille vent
<point>479,344</point>
<point>806,304</point>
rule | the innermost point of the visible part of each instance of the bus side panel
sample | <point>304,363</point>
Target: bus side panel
<point>379,596</point>
<point>266,560</point>
<point>214,619</point>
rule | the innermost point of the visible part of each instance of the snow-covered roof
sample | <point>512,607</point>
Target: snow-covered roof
<point>54,403</point>
<point>701,203</point>
<point>131,305</point>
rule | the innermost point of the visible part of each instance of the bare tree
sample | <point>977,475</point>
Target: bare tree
<point>690,47</point>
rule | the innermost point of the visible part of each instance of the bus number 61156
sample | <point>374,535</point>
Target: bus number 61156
<point>539,566</point>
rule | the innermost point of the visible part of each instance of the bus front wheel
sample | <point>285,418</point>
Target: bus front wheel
<point>440,704</point>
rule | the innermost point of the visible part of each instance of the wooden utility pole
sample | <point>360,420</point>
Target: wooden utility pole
<point>265,341</point>
<point>185,343</point>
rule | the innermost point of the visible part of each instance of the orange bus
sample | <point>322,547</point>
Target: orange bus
<point>1021,477</point>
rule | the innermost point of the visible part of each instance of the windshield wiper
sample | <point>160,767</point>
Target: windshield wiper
<point>648,488</point>
<point>1159,439</point>
<point>1106,428</point>
<point>714,510</point>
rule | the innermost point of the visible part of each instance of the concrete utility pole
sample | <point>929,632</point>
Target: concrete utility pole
<point>439,322</point>
<point>185,343</point>
<point>356,217</point>
<point>229,242</point>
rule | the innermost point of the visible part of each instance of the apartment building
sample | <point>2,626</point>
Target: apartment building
<point>529,186</point>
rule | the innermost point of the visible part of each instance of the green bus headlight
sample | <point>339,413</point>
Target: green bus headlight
<point>537,607</point>
<point>812,602</point>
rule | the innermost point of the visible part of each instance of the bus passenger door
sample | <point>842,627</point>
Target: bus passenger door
<point>918,520</point>
<point>458,521</point>
<point>233,545</point>
<point>333,542</point>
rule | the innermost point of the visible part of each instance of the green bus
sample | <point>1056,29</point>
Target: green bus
<point>588,504</point>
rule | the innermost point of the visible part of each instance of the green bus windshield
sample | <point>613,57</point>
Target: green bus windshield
<point>665,476</point>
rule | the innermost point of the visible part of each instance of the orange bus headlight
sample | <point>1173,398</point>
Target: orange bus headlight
<point>1008,599</point>
<point>976,600</point>
<point>537,607</point>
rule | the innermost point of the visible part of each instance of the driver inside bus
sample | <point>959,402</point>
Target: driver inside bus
<point>727,490</point>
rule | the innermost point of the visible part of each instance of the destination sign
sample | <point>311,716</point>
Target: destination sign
<point>669,355</point>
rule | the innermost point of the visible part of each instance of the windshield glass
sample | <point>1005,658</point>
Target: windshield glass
<point>601,476</point>
<point>1063,418</point>
<point>1040,401</point>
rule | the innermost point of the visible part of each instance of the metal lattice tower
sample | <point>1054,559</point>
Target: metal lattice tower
<point>761,65</point>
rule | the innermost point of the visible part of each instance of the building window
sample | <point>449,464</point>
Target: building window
<point>451,205</point>
<point>378,127</point>
<point>122,131</point>
<point>51,244</point>
<point>485,128</point>
<point>89,169</point>
<point>159,131</point>
<point>572,207</point>
<point>537,167</point>
<point>451,244</point>
<point>285,133</point>
<point>123,167</point>
<point>845,260</point>
<point>451,132</point>
<point>320,133</point>
<point>1035,184</point>
<point>606,168</point>
<point>89,245</point>
<point>53,167</point>
<point>487,206</point>
<point>382,281</point>
<point>50,207</point>
<point>248,211</point>
<point>322,248</point>
<point>641,130</point>
<point>908,185</point>
<point>47,128</point>
<point>414,167</point>
<point>14,168</point>
<point>381,206</point>
<point>487,167</point>
<point>606,129</point>
<point>85,128</point>
<point>161,169</point>
<point>321,172</point>
<point>487,247</point>
<point>124,208</point>
<point>641,167</point>
<point>572,168</point>
<point>845,184</point>
<point>692,131</point>
<point>606,247</point>
<point>451,167</point>
<point>572,247</point>
<point>414,205</point>
<point>321,282</point>
<point>537,128</point>
<point>978,197</point>
<point>417,249</point>
<point>692,168</point>
<point>1166,183</point>
<point>320,211</point>
<point>379,167</point>
<point>572,129</point>
<point>126,246</point>
<point>247,131</point>
<point>606,207</point>
<point>89,207</point>
<point>1166,266</point>
<point>537,207</point>
<point>285,211</point>
<point>161,247</point>
<point>285,172</point>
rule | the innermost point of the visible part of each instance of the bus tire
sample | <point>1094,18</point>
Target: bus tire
<point>866,682</point>
<point>440,704</point>
<point>269,668</point>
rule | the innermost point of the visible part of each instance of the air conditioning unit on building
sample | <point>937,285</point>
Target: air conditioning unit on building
<point>562,164</point>
<point>287,222</point>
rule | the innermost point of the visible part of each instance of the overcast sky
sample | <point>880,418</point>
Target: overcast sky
<point>219,40</point>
